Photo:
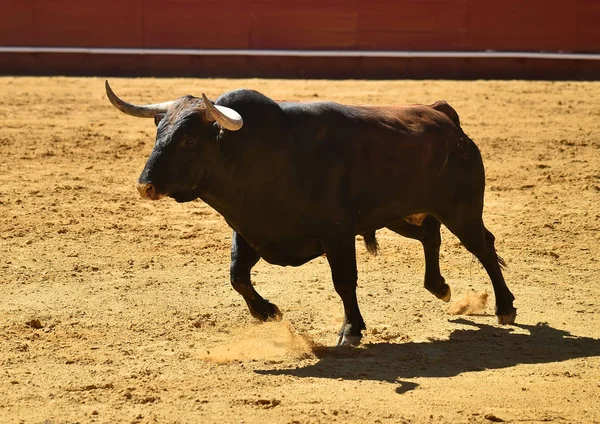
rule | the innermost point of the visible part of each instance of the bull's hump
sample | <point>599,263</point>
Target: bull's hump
<point>443,107</point>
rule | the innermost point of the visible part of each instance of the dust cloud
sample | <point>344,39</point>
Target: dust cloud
<point>471,304</point>
<point>267,341</point>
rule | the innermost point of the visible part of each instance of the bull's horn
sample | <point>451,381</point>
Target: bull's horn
<point>145,111</point>
<point>224,116</point>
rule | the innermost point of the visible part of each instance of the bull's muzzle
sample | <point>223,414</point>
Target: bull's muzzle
<point>147,191</point>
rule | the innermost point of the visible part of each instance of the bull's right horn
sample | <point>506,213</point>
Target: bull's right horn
<point>145,111</point>
<point>222,115</point>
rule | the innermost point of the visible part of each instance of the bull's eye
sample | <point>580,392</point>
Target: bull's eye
<point>188,141</point>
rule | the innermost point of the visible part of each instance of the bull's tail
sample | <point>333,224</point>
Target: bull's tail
<point>371,243</point>
<point>501,261</point>
<point>491,239</point>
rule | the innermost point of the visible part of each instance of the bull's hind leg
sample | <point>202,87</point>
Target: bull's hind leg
<point>243,258</point>
<point>480,242</point>
<point>429,235</point>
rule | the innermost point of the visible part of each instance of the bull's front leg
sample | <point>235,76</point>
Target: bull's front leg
<point>341,255</point>
<point>243,258</point>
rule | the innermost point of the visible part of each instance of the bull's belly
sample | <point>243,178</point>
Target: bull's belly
<point>289,252</point>
<point>296,251</point>
<point>375,216</point>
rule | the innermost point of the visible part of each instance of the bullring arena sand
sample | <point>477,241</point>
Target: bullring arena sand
<point>114,309</point>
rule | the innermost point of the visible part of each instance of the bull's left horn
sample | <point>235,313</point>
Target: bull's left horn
<point>222,115</point>
<point>145,111</point>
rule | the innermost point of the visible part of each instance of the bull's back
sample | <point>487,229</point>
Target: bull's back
<point>389,162</point>
<point>412,152</point>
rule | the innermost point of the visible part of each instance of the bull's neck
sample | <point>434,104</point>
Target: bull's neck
<point>236,184</point>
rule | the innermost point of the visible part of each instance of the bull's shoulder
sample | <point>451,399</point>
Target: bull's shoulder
<point>446,109</point>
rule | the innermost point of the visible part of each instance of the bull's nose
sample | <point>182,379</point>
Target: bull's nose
<point>147,191</point>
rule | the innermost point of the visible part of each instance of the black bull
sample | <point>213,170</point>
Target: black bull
<point>299,180</point>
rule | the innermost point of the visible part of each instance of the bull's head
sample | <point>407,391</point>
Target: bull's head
<point>187,136</point>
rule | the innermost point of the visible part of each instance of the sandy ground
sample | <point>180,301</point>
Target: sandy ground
<point>113,309</point>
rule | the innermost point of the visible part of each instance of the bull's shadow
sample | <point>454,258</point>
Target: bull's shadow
<point>483,347</point>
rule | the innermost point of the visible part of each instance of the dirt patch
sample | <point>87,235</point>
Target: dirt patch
<point>118,310</point>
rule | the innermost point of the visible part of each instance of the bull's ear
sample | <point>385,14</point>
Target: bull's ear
<point>158,117</point>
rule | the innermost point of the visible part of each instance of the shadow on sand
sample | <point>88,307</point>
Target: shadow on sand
<point>477,349</point>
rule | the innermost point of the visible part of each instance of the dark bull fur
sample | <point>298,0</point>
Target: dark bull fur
<point>300,180</point>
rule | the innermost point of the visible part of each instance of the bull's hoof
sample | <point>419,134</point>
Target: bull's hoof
<point>441,291</point>
<point>268,312</point>
<point>507,319</point>
<point>348,340</point>
<point>274,313</point>
<point>446,297</point>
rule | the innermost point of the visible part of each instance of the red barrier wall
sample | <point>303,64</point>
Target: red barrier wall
<point>430,25</point>
<point>442,25</point>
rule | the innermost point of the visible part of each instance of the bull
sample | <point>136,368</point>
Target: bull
<point>299,180</point>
